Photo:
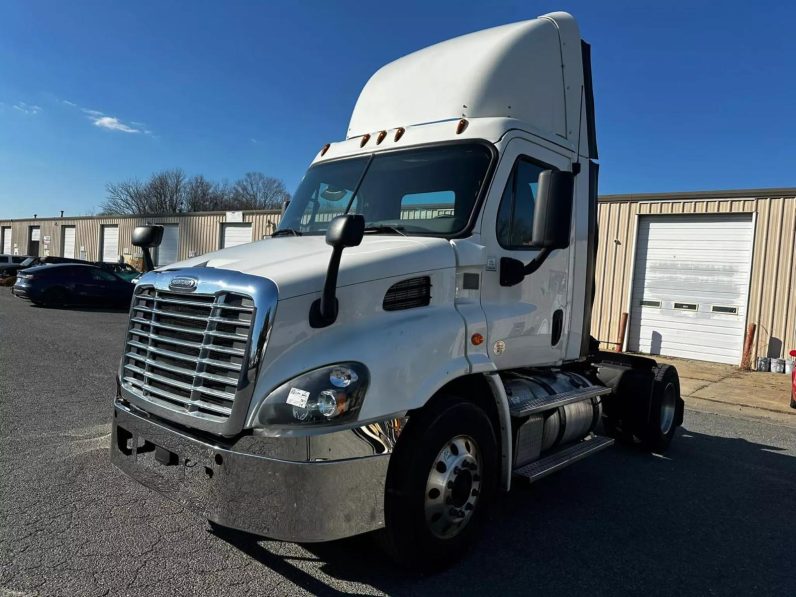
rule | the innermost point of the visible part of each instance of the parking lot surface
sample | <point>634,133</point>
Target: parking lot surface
<point>715,516</point>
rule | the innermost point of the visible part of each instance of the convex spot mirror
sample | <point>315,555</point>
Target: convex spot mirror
<point>147,237</point>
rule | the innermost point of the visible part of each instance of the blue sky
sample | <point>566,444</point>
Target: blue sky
<point>690,95</point>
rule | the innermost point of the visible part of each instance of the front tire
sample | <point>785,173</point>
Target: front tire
<point>442,476</point>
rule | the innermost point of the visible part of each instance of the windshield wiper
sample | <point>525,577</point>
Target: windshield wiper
<point>285,232</point>
<point>384,228</point>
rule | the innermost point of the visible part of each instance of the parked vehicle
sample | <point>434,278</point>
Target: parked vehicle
<point>123,270</point>
<point>72,284</point>
<point>27,262</point>
<point>415,334</point>
<point>9,264</point>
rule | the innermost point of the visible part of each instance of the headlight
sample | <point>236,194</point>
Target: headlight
<point>327,395</point>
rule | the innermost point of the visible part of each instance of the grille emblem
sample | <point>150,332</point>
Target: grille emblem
<point>183,284</point>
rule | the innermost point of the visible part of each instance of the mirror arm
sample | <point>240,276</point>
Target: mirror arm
<point>327,304</point>
<point>148,264</point>
<point>537,261</point>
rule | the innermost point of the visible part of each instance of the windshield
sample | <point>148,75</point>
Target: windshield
<point>28,261</point>
<point>420,191</point>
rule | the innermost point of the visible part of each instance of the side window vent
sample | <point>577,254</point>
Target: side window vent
<point>408,294</point>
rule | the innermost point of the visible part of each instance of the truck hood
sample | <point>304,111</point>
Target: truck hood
<point>297,264</point>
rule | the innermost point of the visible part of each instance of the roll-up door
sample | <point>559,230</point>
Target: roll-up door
<point>236,234</point>
<point>169,246</point>
<point>690,286</point>
<point>68,240</point>
<point>6,240</point>
<point>110,244</point>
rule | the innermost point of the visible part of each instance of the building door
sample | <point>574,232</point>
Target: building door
<point>34,238</point>
<point>109,244</point>
<point>233,235</point>
<point>690,286</point>
<point>169,246</point>
<point>68,242</point>
<point>5,232</point>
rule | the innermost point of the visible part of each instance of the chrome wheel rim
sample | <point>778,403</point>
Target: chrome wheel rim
<point>668,407</point>
<point>453,487</point>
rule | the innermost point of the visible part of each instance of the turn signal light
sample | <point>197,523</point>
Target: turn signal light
<point>477,339</point>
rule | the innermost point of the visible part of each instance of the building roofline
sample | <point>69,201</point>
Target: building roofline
<point>183,214</point>
<point>703,195</point>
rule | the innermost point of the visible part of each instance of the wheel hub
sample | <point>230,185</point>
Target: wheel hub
<point>668,408</point>
<point>453,487</point>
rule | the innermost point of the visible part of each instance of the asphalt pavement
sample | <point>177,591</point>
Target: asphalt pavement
<point>716,516</point>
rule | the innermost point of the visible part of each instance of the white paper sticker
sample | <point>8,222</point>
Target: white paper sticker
<point>298,397</point>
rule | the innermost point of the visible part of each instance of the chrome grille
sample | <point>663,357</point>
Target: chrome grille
<point>188,352</point>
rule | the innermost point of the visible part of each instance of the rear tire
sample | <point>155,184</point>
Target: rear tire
<point>664,416</point>
<point>442,477</point>
<point>55,297</point>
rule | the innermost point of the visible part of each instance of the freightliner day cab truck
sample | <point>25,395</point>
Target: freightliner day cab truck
<point>414,337</point>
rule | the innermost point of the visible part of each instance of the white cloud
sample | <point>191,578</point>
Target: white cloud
<point>30,109</point>
<point>114,124</point>
<point>68,103</point>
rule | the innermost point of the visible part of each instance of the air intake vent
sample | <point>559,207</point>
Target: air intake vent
<point>408,294</point>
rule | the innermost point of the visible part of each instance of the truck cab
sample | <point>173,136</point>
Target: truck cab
<point>415,334</point>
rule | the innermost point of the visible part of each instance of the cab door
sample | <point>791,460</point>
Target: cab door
<point>527,323</point>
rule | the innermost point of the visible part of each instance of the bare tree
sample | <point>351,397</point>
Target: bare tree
<point>203,195</point>
<point>166,192</point>
<point>126,197</point>
<point>258,191</point>
<point>171,191</point>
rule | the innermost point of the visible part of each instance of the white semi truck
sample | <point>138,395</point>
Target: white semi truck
<point>415,336</point>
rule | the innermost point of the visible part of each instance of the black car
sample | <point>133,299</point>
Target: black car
<point>11,269</point>
<point>72,284</point>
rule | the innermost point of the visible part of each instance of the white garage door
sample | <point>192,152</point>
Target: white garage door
<point>110,244</point>
<point>236,234</point>
<point>167,251</point>
<point>690,286</point>
<point>6,240</point>
<point>68,250</point>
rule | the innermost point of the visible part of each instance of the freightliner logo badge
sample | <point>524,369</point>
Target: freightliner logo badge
<point>183,284</point>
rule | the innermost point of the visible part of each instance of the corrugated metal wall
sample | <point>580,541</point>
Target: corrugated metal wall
<point>199,233</point>
<point>772,292</point>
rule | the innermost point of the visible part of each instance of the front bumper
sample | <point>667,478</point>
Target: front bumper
<point>301,501</point>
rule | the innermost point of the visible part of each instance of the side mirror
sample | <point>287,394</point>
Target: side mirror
<point>553,213</point>
<point>148,237</point>
<point>344,231</point>
<point>552,221</point>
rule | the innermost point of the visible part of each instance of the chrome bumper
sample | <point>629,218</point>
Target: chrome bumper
<point>300,500</point>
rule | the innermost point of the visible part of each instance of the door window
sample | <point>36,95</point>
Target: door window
<point>515,214</point>
<point>103,276</point>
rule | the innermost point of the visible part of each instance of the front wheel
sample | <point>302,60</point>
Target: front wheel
<point>441,479</point>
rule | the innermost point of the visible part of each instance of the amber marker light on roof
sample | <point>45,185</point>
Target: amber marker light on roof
<point>365,139</point>
<point>325,148</point>
<point>461,126</point>
<point>380,137</point>
<point>399,132</point>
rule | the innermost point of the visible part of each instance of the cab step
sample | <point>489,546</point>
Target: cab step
<point>563,457</point>
<point>522,407</point>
